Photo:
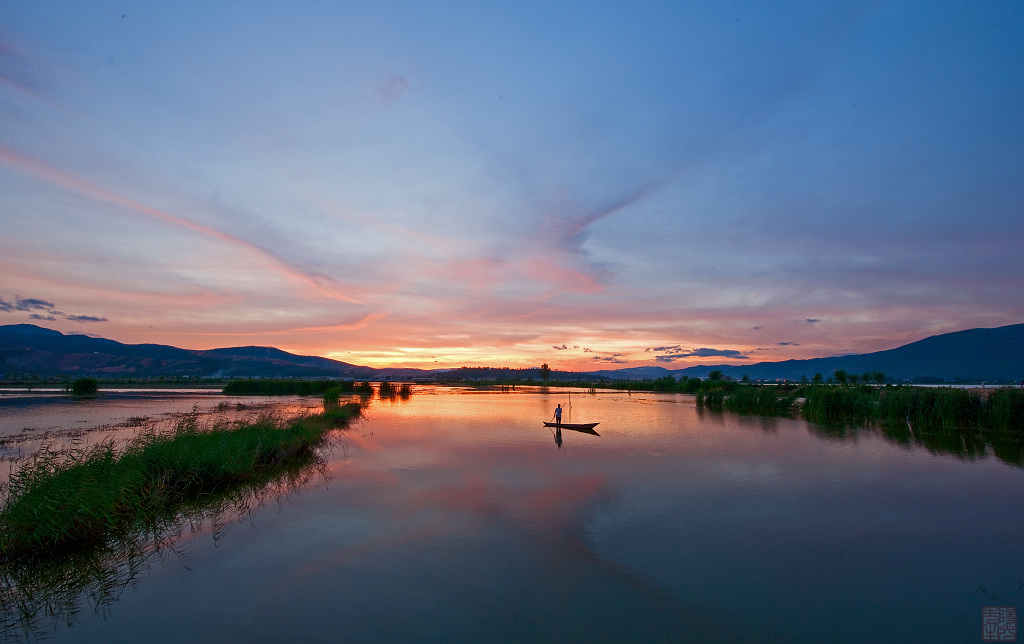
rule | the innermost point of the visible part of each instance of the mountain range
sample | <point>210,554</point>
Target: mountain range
<point>25,349</point>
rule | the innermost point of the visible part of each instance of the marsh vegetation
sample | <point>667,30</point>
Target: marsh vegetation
<point>284,387</point>
<point>41,588</point>
<point>60,498</point>
<point>963,422</point>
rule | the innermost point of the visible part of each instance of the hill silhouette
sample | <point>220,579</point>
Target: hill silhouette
<point>29,349</point>
<point>972,355</point>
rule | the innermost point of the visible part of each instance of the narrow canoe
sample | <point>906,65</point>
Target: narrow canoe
<point>579,427</point>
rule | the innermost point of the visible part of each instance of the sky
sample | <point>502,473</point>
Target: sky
<point>588,185</point>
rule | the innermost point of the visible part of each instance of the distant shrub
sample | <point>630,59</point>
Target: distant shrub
<point>84,387</point>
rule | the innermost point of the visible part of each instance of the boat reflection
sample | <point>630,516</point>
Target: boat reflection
<point>583,428</point>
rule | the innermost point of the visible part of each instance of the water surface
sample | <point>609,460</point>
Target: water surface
<point>456,517</point>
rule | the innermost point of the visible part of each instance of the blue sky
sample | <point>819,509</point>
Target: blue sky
<point>435,184</point>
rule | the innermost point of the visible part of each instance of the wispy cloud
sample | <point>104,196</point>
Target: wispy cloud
<point>677,353</point>
<point>612,359</point>
<point>32,304</point>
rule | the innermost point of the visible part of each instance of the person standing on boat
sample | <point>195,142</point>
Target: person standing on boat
<point>558,416</point>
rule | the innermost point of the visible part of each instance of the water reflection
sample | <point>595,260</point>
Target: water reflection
<point>454,521</point>
<point>557,431</point>
<point>966,443</point>
<point>38,592</point>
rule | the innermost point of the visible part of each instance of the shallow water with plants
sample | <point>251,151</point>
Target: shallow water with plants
<point>454,515</point>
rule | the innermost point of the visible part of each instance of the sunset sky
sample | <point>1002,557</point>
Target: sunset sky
<point>586,184</point>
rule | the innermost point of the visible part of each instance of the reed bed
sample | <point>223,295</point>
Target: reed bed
<point>947,420</point>
<point>944,408</point>
<point>764,401</point>
<point>63,498</point>
<point>746,399</point>
<point>829,405</point>
<point>391,390</point>
<point>713,399</point>
<point>284,387</point>
<point>39,589</point>
<point>363,388</point>
<point>1004,409</point>
<point>925,408</point>
<point>333,394</point>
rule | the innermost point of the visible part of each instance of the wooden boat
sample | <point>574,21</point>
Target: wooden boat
<point>586,428</point>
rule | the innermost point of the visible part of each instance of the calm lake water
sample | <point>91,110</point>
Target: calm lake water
<point>455,517</point>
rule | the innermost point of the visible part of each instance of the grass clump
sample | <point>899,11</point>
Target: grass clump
<point>393,390</point>
<point>713,399</point>
<point>64,498</point>
<point>363,388</point>
<point>333,394</point>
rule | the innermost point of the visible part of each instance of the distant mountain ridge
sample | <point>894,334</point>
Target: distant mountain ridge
<point>975,355</point>
<point>26,348</point>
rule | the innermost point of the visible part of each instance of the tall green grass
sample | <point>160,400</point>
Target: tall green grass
<point>40,588</point>
<point>283,387</point>
<point>926,407</point>
<point>764,401</point>
<point>944,420</point>
<point>830,405</point>
<point>713,399</point>
<point>1004,409</point>
<point>746,399</point>
<point>62,498</point>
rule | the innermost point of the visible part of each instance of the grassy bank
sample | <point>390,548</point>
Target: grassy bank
<point>58,499</point>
